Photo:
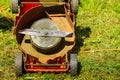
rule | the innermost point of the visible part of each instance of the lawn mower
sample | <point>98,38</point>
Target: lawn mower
<point>44,31</point>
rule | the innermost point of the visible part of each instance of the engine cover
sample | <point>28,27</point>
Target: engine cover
<point>45,44</point>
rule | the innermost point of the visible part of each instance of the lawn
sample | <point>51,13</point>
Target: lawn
<point>97,43</point>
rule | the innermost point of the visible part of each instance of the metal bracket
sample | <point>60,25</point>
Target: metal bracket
<point>46,33</point>
<point>47,64</point>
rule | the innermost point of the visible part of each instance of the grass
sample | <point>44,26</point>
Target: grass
<point>97,37</point>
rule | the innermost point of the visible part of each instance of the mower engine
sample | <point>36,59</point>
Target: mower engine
<point>44,31</point>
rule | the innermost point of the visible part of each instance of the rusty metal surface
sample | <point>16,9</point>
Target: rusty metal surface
<point>68,43</point>
<point>47,64</point>
<point>65,23</point>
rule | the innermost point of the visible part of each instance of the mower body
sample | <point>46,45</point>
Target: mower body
<point>44,53</point>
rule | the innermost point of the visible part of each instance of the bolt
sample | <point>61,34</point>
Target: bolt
<point>45,33</point>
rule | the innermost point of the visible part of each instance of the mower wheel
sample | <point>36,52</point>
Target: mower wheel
<point>74,6</point>
<point>19,66</point>
<point>73,64</point>
<point>15,6</point>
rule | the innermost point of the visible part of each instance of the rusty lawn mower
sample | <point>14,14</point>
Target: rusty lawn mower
<point>44,31</point>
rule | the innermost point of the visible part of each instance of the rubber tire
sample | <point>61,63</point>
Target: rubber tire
<point>74,6</point>
<point>73,64</point>
<point>15,6</point>
<point>19,66</point>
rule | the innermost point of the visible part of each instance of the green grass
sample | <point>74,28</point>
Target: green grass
<point>97,36</point>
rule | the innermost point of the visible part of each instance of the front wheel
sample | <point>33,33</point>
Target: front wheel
<point>73,64</point>
<point>19,64</point>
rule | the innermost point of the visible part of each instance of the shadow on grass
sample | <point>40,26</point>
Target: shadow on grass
<point>5,23</point>
<point>81,34</point>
